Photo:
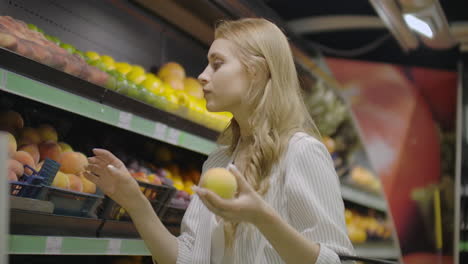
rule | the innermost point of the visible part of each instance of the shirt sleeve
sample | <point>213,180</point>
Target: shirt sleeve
<point>192,222</point>
<point>314,204</point>
<point>189,228</point>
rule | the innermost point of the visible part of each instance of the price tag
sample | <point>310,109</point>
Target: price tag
<point>160,131</point>
<point>125,120</point>
<point>53,245</point>
<point>173,136</point>
<point>113,248</point>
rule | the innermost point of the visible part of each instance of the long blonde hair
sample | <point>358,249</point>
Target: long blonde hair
<point>278,110</point>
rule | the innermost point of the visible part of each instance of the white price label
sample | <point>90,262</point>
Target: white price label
<point>125,120</point>
<point>53,245</point>
<point>113,248</point>
<point>173,136</point>
<point>160,131</point>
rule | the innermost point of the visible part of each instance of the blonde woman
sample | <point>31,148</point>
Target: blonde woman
<point>288,208</point>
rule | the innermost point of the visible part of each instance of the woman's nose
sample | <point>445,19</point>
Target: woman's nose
<point>203,78</point>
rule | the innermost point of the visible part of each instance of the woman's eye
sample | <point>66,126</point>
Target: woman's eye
<point>217,64</point>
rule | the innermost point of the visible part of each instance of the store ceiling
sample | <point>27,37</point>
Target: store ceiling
<point>388,50</point>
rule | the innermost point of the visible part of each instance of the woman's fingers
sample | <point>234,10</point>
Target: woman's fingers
<point>242,184</point>
<point>215,200</point>
<point>97,161</point>
<point>98,170</point>
<point>105,155</point>
<point>90,176</point>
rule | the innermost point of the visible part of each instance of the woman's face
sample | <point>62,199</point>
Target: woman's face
<point>225,80</point>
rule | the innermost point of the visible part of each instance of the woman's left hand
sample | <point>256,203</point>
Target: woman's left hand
<point>247,206</point>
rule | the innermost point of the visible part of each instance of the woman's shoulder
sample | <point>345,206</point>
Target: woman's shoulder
<point>217,158</point>
<point>302,139</point>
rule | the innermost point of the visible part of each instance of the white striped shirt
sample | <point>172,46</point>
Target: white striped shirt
<point>304,190</point>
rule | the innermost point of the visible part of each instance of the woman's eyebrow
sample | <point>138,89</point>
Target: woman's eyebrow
<point>214,55</point>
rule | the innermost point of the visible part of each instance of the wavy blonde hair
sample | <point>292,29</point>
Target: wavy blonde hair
<point>274,96</point>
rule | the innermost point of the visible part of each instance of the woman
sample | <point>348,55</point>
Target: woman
<point>288,208</point>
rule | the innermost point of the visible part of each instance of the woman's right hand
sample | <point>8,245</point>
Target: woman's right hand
<point>112,177</point>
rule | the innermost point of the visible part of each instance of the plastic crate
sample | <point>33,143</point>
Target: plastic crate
<point>30,185</point>
<point>23,189</point>
<point>71,203</point>
<point>158,195</point>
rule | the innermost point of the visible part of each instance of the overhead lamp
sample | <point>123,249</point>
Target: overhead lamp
<point>390,13</point>
<point>427,18</point>
<point>418,25</point>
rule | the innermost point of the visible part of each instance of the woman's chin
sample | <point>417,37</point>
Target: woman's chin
<point>213,108</point>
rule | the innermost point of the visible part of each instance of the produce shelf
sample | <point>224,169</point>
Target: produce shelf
<point>58,245</point>
<point>32,80</point>
<point>384,250</point>
<point>363,197</point>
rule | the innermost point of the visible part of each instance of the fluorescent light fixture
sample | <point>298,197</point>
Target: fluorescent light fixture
<point>418,25</point>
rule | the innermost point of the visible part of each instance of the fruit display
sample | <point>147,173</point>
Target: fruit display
<point>169,89</point>
<point>31,42</point>
<point>170,175</point>
<point>32,146</point>
<point>363,228</point>
<point>365,179</point>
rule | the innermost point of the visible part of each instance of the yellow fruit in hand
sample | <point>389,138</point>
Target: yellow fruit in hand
<point>220,181</point>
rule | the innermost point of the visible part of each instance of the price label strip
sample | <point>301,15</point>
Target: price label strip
<point>160,131</point>
<point>53,245</point>
<point>125,120</point>
<point>113,248</point>
<point>173,136</point>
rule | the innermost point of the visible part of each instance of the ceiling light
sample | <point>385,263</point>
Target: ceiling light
<point>418,25</point>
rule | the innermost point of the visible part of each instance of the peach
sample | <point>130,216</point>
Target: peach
<point>11,121</point>
<point>61,180</point>
<point>25,158</point>
<point>47,132</point>
<point>12,176</point>
<point>75,183</point>
<point>28,135</point>
<point>73,162</point>
<point>50,149</point>
<point>65,147</point>
<point>16,167</point>
<point>220,181</point>
<point>33,150</point>
<point>12,146</point>
<point>88,186</point>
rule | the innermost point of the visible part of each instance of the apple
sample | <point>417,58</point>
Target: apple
<point>220,181</point>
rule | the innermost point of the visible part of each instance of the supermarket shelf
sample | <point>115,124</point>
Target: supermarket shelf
<point>363,198</point>
<point>383,250</point>
<point>80,97</point>
<point>57,245</point>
